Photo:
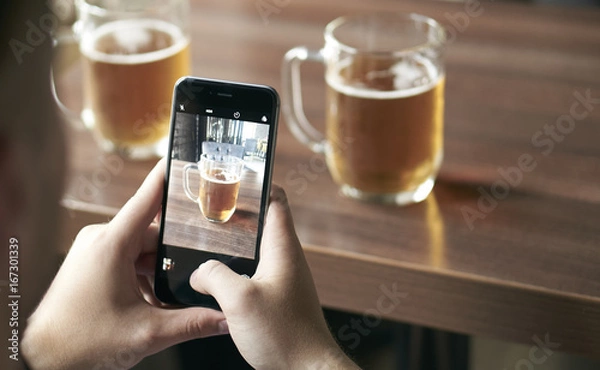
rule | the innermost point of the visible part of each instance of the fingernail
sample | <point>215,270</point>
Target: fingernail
<point>223,327</point>
<point>193,275</point>
<point>278,195</point>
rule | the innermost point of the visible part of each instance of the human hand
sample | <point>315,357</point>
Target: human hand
<point>274,318</point>
<point>100,311</point>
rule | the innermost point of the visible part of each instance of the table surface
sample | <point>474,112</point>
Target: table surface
<point>528,261</point>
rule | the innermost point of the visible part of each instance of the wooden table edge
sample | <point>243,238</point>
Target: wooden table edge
<point>399,264</point>
<point>457,302</point>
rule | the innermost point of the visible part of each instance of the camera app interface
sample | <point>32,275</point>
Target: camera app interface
<point>215,183</point>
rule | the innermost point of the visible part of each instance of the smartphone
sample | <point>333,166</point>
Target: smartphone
<point>217,183</point>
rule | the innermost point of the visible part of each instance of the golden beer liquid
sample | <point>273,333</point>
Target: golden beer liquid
<point>218,194</point>
<point>383,139</point>
<point>130,68</point>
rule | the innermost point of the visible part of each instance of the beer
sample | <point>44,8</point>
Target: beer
<point>218,194</point>
<point>384,131</point>
<point>130,68</point>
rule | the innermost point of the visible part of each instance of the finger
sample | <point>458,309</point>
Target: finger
<point>278,199</point>
<point>216,279</point>
<point>146,258</point>
<point>145,287</point>
<point>150,239</point>
<point>145,264</point>
<point>279,221</point>
<point>141,209</point>
<point>179,325</point>
<point>280,246</point>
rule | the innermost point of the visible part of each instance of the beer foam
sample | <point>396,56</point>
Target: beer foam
<point>130,40</point>
<point>129,34</point>
<point>404,75</point>
<point>222,177</point>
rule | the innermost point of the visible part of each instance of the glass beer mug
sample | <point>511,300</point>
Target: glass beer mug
<point>133,52</point>
<point>384,77</point>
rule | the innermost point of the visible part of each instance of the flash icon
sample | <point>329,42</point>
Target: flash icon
<point>168,264</point>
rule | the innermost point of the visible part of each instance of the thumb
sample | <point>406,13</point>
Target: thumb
<point>142,207</point>
<point>216,279</point>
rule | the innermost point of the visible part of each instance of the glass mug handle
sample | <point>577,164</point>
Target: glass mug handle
<point>64,40</point>
<point>186,183</point>
<point>292,108</point>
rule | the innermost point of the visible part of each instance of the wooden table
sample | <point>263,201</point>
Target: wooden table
<point>478,256</point>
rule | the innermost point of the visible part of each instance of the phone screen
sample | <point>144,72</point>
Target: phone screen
<point>217,182</point>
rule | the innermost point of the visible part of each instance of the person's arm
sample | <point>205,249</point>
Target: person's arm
<point>274,318</point>
<point>99,312</point>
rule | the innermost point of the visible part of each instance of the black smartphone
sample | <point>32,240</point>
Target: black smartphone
<point>217,183</point>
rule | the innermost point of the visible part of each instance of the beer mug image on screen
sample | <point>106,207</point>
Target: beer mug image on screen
<point>218,187</point>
